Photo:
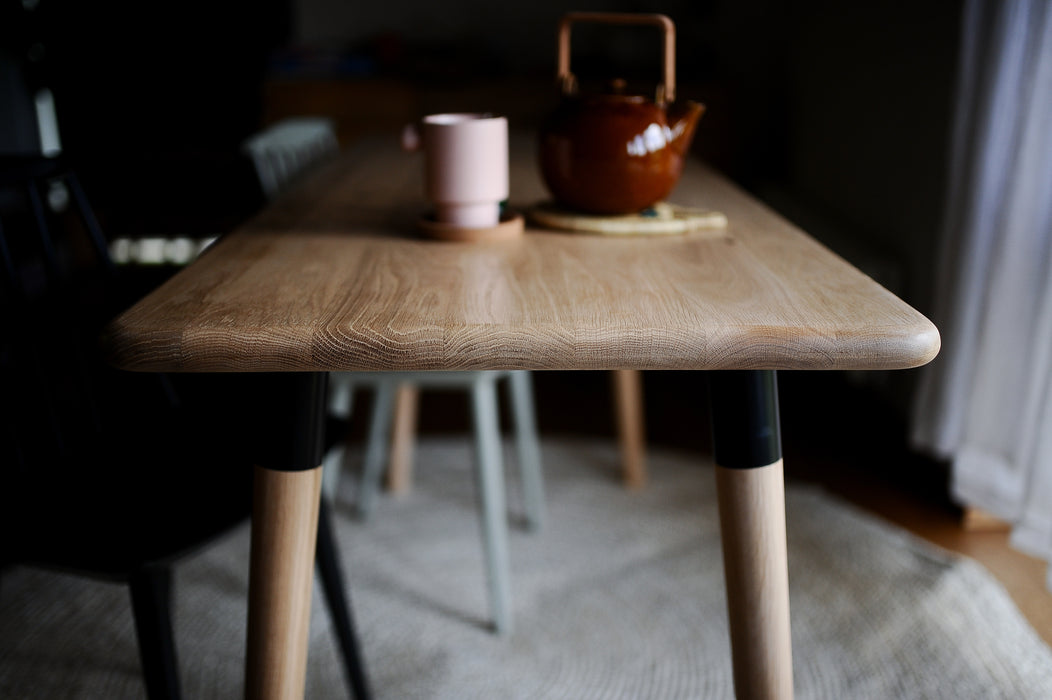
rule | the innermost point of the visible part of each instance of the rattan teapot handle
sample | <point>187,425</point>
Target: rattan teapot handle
<point>666,91</point>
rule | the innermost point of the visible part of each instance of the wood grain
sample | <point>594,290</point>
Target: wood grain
<point>334,276</point>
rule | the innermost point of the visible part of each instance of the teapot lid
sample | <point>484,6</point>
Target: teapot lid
<point>613,90</point>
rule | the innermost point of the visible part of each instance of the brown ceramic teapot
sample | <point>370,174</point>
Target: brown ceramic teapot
<point>614,153</point>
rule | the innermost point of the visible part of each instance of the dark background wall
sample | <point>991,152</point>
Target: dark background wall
<point>835,113</point>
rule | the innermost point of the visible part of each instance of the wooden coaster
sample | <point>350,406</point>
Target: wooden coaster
<point>661,219</point>
<point>511,226</point>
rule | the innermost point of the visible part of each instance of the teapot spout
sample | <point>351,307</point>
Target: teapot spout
<point>683,120</point>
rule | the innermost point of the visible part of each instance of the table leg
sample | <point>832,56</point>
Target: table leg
<point>284,530</point>
<point>750,488</point>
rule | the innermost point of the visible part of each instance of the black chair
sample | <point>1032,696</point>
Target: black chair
<point>108,473</point>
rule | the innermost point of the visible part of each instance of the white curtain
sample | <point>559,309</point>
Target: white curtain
<point>986,402</point>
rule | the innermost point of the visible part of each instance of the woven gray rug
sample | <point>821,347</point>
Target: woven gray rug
<point>620,596</point>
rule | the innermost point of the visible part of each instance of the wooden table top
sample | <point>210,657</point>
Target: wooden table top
<point>334,276</point>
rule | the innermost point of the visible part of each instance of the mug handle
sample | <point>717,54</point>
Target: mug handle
<point>666,91</point>
<point>411,139</point>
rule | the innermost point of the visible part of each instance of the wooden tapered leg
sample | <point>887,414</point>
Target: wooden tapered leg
<point>752,527</point>
<point>284,531</point>
<point>628,406</point>
<point>751,491</point>
<point>403,437</point>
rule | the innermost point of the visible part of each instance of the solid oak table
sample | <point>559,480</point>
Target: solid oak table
<point>334,276</point>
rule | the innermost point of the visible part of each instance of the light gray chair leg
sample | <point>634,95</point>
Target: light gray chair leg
<point>332,465</point>
<point>491,499</point>
<point>527,447</point>
<point>379,428</point>
<point>341,404</point>
<point>341,395</point>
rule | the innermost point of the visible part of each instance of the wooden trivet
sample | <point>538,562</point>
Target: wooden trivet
<point>661,219</point>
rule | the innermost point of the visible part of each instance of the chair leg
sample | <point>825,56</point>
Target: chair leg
<point>340,403</point>
<point>336,597</point>
<point>332,466</point>
<point>151,592</point>
<point>341,395</point>
<point>46,240</point>
<point>379,427</point>
<point>8,262</point>
<point>528,447</point>
<point>491,503</point>
<point>403,434</point>
<point>628,399</point>
<point>87,215</point>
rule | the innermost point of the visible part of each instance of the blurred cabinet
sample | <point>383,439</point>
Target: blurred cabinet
<point>356,106</point>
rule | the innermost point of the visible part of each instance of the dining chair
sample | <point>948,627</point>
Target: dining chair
<point>489,469</point>
<point>104,473</point>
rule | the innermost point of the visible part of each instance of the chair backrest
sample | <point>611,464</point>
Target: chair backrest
<point>289,147</point>
<point>28,123</point>
<point>58,287</point>
<point>19,133</point>
<point>58,292</point>
<point>69,422</point>
<point>47,123</point>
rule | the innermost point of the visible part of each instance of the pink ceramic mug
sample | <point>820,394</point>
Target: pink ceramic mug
<point>465,166</point>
